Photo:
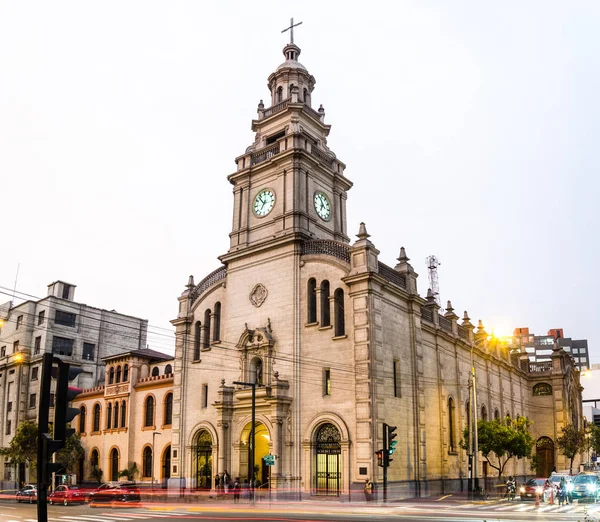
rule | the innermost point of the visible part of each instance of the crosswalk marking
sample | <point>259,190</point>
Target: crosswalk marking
<point>106,518</point>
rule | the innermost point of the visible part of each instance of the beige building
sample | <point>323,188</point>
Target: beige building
<point>128,418</point>
<point>57,324</point>
<point>336,341</point>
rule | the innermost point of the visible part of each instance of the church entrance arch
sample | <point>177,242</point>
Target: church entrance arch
<point>327,461</point>
<point>263,442</point>
<point>166,465</point>
<point>544,449</point>
<point>202,455</point>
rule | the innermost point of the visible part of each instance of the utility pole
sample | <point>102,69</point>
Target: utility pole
<point>252,438</point>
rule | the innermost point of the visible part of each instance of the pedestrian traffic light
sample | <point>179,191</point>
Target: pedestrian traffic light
<point>379,454</point>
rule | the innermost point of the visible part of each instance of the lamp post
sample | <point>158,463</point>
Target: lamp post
<point>154,434</point>
<point>252,438</point>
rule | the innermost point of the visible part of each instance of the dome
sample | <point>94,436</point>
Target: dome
<point>293,64</point>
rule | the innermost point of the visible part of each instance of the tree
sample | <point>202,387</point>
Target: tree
<point>71,454</point>
<point>570,443</point>
<point>501,440</point>
<point>595,438</point>
<point>96,474</point>
<point>23,446</point>
<point>130,472</point>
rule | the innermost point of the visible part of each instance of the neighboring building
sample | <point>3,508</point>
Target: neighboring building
<point>336,342</point>
<point>78,333</point>
<point>128,418</point>
<point>591,394</point>
<point>539,347</point>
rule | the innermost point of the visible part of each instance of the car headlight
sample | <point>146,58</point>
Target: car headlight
<point>569,487</point>
<point>521,489</point>
<point>591,487</point>
<point>539,490</point>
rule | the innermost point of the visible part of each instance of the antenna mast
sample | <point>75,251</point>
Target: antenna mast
<point>432,266</point>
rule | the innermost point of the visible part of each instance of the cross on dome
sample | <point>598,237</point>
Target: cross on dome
<point>291,29</point>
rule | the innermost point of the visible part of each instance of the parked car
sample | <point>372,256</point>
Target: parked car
<point>27,493</point>
<point>115,492</point>
<point>535,488</point>
<point>67,495</point>
<point>586,486</point>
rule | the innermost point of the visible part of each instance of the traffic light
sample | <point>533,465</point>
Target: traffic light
<point>64,395</point>
<point>391,435</point>
<point>379,454</point>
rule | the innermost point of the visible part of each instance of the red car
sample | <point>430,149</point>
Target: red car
<point>535,488</point>
<point>67,495</point>
<point>115,492</point>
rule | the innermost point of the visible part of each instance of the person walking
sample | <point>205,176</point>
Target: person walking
<point>368,489</point>
<point>236,490</point>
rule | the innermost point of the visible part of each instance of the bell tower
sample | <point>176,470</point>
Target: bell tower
<point>289,185</point>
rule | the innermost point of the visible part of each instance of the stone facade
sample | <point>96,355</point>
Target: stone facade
<point>336,342</point>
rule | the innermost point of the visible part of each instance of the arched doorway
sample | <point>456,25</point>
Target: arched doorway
<point>166,466</point>
<point>263,441</point>
<point>114,465</point>
<point>544,449</point>
<point>202,455</point>
<point>327,461</point>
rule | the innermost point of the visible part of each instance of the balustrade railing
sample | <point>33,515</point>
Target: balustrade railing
<point>463,333</point>
<point>322,156</point>
<point>278,107</point>
<point>445,323</point>
<point>391,275</point>
<point>264,154</point>
<point>427,314</point>
<point>328,247</point>
<point>538,367</point>
<point>208,281</point>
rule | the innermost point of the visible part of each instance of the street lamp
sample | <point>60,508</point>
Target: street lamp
<point>154,433</point>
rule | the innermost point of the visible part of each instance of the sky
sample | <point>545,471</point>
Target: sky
<point>470,131</point>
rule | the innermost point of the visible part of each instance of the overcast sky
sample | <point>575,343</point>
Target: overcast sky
<point>470,131</point>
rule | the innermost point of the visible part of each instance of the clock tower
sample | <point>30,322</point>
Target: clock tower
<point>288,185</point>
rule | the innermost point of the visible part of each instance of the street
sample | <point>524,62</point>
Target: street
<point>443,510</point>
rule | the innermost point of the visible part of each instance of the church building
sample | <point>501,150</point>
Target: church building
<point>329,343</point>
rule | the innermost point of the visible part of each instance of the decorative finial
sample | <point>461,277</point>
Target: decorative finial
<point>362,232</point>
<point>222,382</point>
<point>291,29</point>
<point>449,307</point>
<point>269,325</point>
<point>466,316</point>
<point>261,105</point>
<point>321,109</point>
<point>430,296</point>
<point>276,375</point>
<point>190,282</point>
<point>246,326</point>
<point>403,257</point>
<point>480,324</point>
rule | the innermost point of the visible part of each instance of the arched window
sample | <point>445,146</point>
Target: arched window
<point>155,371</point>
<point>197,336</point>
<point>508,419</point>
<point>149,417</point>
<point>338,312</point>
<point>168,409</point>
<point>114,465</point>
<point>97,413</point>
<point>279,97</point>
<point>217,323</point>
<point>82,420</point>
<point>108,416</point>
<point>118,374</point>
<point>325,310</point>
<point>168,369</point>
<point>111,375</point>
<point>123,414</point>
<point>305,97</point>
<point>116,416</point>
<point>496,414</point>
<point>206,330</point>
<point>451,442</point>
<point>542,388</point>
<point>125,373</point>
<point>95,459</point>
<point>147,462</point>
<point>311,301</point>
<point>483,413</point>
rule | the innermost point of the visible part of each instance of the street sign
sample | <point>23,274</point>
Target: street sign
<point>269,460</point>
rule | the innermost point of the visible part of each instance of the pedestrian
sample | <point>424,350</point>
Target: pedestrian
<point>245,491</point>
<point>217,482</point>
<point>368,489</point>
<point>236,490</point>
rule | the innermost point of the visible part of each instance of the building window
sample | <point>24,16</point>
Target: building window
<point>197,334</point>
<point>32,400</point>
<point>155,371</point>
<point>88,351</point>
<point>9,407</point>
<point>279,97</point>
<point>483,413</point>
<point>34,373</point>
<point>8,427</point>
<point>496,414</point>
<point>97,413</point>
<point>326,381</point>
<point>542,388</point>
<point>19,322</point>
<point>325,310</point>
<point>82,419</point>
<point>206,330</point>
<point>125,373</point>
<point>116,416</point>
<point>64,318</point>
<point>118,374</point>
<point>338,309</point>
<point>11,372</point>
<point>451,442</point>
<point>62,346</point>
<point>396,366</point>
<point>52,400</point>
<point>205,395</point>
<point>123,416</point>
<point>311,301</point>
<point>149,417</point>
<point>95,459</point>
<point>111,375</point>
<point>41,317</point>
<point>108,416</point>
<point>15,346</point>
<point>217,322</point>
<point>3,351</point>
<point>168,409</point>
<point>147,462</point>
<point>168,369</point>
<point>37,346</point>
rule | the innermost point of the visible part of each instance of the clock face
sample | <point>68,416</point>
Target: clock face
<point>264,202</point>
<point>322,206</point>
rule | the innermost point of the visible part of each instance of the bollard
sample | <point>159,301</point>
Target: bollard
<point>551,496</point>
<point>537,498</point>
